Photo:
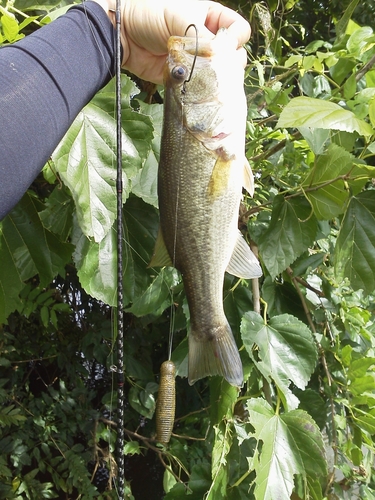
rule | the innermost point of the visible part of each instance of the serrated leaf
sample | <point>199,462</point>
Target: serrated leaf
<point>317,113</point>
<point>96,262</point>
<point>355,246</point>
<point>132,448</point>
<point>291,444</point>
<point>365,421</point>
<point>291,231</point>
<point>362,385</point>
<point>200,481</point>
<point>11,282</point>
<point>286,349</point>
<point>27,248</point>
<point>144,185</point>
<point>359,367</point>
<point>96,266</point>
<point>326,197</point>
<point>57,216</point>
<point>169,480</point>
<point>343,21</point>
<point>141,222</point>
<point>157,296</point>
<point>142,401</point>
<point>223,397</point>
<point>10,27</point>
<point>359,40</point>
<point>86,158</point>
<point>316,138</point>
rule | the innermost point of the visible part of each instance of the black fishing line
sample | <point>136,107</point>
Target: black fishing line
<point>120,312</point>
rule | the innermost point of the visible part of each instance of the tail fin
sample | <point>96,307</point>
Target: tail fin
<point>217,355</point>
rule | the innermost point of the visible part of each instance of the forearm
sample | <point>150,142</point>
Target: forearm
<point>45,80</point>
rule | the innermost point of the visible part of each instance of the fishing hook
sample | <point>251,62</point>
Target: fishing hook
<point>195,55</point>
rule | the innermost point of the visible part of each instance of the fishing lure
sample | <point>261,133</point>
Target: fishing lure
<point>166,403</point>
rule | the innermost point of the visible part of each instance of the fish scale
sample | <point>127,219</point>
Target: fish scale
<point>202,170</point>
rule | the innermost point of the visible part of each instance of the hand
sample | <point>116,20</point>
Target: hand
<point>148,24</point>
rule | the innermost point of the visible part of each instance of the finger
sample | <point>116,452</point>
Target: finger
<point>219,16</point>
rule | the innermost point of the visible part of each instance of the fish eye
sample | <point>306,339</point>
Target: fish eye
<point>179,72</point>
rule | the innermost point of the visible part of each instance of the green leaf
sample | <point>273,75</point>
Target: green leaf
<point>27,248</point>
<point>141,222</point>
<point>290,444</point>
<point>286,350</point>
<point>96,262</point>
<point>358,367</point>
<point>223,397</point>
<point>58,214</point>
<point>359,40</point>
<point>96,266</point>
<point>291,231</point>
<point>362,385</point>
<point>132,448</point>
<point>26,5</point>
<point>10,416</point>
<point>11,282</point>
<point>169,480</point>
<point>365,421</point>
<point>143,400</point>
<point>316,138</point>
<point>327,197</point>
<point>144,185</point>
<point>10,27</point>
<point>200,481</point>
<point>355,248</point>
<point>343,21</point>
<point>313,404</point>
<point>157,296</point>
<point>282,297</point>
<point>317,113</point>
<point>86,158</point>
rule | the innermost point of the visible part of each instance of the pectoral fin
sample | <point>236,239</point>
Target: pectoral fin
<point>243,262</point>
<point>248,178</point>
<point>160,256</point>
<point>219,178</point>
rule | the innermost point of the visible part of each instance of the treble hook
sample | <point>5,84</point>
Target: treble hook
<point>195,55</point>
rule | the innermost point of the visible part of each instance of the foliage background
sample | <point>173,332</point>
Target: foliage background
<point>303,425</point>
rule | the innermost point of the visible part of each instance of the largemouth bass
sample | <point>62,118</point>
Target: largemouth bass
<point>201,173</point>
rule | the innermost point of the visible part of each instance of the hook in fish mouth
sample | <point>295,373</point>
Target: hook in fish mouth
<point>195,55</point>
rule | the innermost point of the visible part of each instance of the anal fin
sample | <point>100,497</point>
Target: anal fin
<point>243,262</point>
<point>160,257</point>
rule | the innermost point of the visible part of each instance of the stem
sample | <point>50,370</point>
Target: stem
<point>255,283</point>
